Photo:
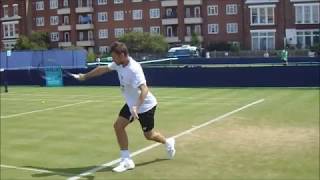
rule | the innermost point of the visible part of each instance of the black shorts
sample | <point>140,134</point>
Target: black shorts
<point>146,119</point>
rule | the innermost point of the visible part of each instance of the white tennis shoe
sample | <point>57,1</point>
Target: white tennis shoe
<point>124,165</point>
<point>171,151</point>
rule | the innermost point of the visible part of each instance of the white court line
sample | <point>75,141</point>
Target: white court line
<point>34,170</point>
<point>91,171</point>
<point>41,110</point>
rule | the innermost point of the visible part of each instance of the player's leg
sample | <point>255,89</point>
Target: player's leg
<point>146,120</point>
<point>122,138</point>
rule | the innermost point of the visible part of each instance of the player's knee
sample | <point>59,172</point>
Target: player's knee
<point>117,126</point>
<point>149,135</point>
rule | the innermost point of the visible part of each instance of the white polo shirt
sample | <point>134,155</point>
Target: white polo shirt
<point>131,77</point>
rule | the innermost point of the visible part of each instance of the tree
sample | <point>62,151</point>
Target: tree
<point>37,41</point>
<point>144,42</point>
<point>195,41</point>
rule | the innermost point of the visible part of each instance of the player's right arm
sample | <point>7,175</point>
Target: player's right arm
<point>98,71</point>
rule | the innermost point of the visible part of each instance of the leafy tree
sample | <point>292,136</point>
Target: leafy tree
<point>37,41</point>
<point>144,42</point>
<point>195,41</point>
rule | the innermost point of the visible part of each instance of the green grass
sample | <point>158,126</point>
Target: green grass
<point>277,139</point>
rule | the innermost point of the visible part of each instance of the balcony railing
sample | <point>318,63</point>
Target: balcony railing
<point>87,9</point>
<point>169,3</point>
<point>64,44</point>
<point>193,20</point>
<point>85,43</point>
<point>63,11</point>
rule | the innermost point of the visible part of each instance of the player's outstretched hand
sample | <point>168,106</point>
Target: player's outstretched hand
<point>79,77</point>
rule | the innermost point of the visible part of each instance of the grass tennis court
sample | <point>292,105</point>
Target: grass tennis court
<point>57,133</point>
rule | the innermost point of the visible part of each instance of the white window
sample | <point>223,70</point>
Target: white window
<point>197,12</point>
<point>65,3</point>
<point>102,17</point>
<point>307,38</point>
<point>118,15</point>
<point>15,10</point>
<point>90,35</point>
<point>103,33</point>
<point>54,36</point>
<point>53,4</point>
<point>231,9</point>
<point>5,11</point>
<point>137,14</point>
<point>80,36</point>
<point>155,30</point>
<point>154,13</point>
<point>169,31</point>
<point>54,20</point>
<point>39,21</point>
<point>9,29</point>
<point>262,40</point>
<point>197,29</point>
<point>39,5</point>
<point>66,20</point>
<point>213,10</point>
<point>262,15</point>
<point>137,29</point>
<point>232,27</point>
<point>307,13</point>
<point>117,1</point>
<point>66,37</point>
<point>188,31</point>
<point>118,32</point>
<point>213,28</point>
<point>103,49</point>
<point>102,2</point>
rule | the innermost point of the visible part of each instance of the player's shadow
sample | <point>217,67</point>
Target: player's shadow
<point>70,172</point>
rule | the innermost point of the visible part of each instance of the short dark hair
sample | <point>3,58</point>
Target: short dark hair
<point>118,48</point>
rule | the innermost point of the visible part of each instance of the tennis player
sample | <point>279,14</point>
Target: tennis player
<point>140,103</point>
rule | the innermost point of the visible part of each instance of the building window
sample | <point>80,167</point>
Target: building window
<point>262,15</point>
<point>103,49</point>
<point>117,1</point>
<point>137,14</point>
<point>53,4</point>
<point>102,17</point>
<point>66,37</point>
<point>102,2</point>
<point>232,28</point>
<point>212,10</point>
<point>231,9</point>
<point>39,21</point>
<point>118,32</point>
<point>155,30</point>
<point>154,13</point>
<point>263,40</point>
<point>54,20</point>
<point>90,35</point>
<point>39,5</point>
<point>197,12</point>
<point>66,20</point>
<point>307,38</point>
<point>118,15</point>
<point>15,10</point>
<point>103,33</point>
<point>5,11</point>
<point>54,36</point>
<point>307,13</point>
<point>213,28</point>
<point>137,29</point>
<point>9,30</point>
<point>197,29</point>
<point>65,3</point>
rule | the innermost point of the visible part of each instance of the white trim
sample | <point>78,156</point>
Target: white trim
<point>15,4</point>
<point>260,1</point>
<point>108,164</point>
<point>302,0</point>
<point>6,5</point>
<point>305,4</point>
<point>262,6</point>
<point>306,30</point>
<point>11,22</point>
<point>263,30</point>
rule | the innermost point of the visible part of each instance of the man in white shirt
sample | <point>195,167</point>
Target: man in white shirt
<point>140,103</point>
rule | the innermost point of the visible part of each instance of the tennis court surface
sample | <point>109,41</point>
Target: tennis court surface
<point>221,133</point>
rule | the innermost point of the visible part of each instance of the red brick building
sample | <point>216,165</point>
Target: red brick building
<point>95,24</point>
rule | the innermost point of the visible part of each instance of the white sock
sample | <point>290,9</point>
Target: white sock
<point>125,154</point>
